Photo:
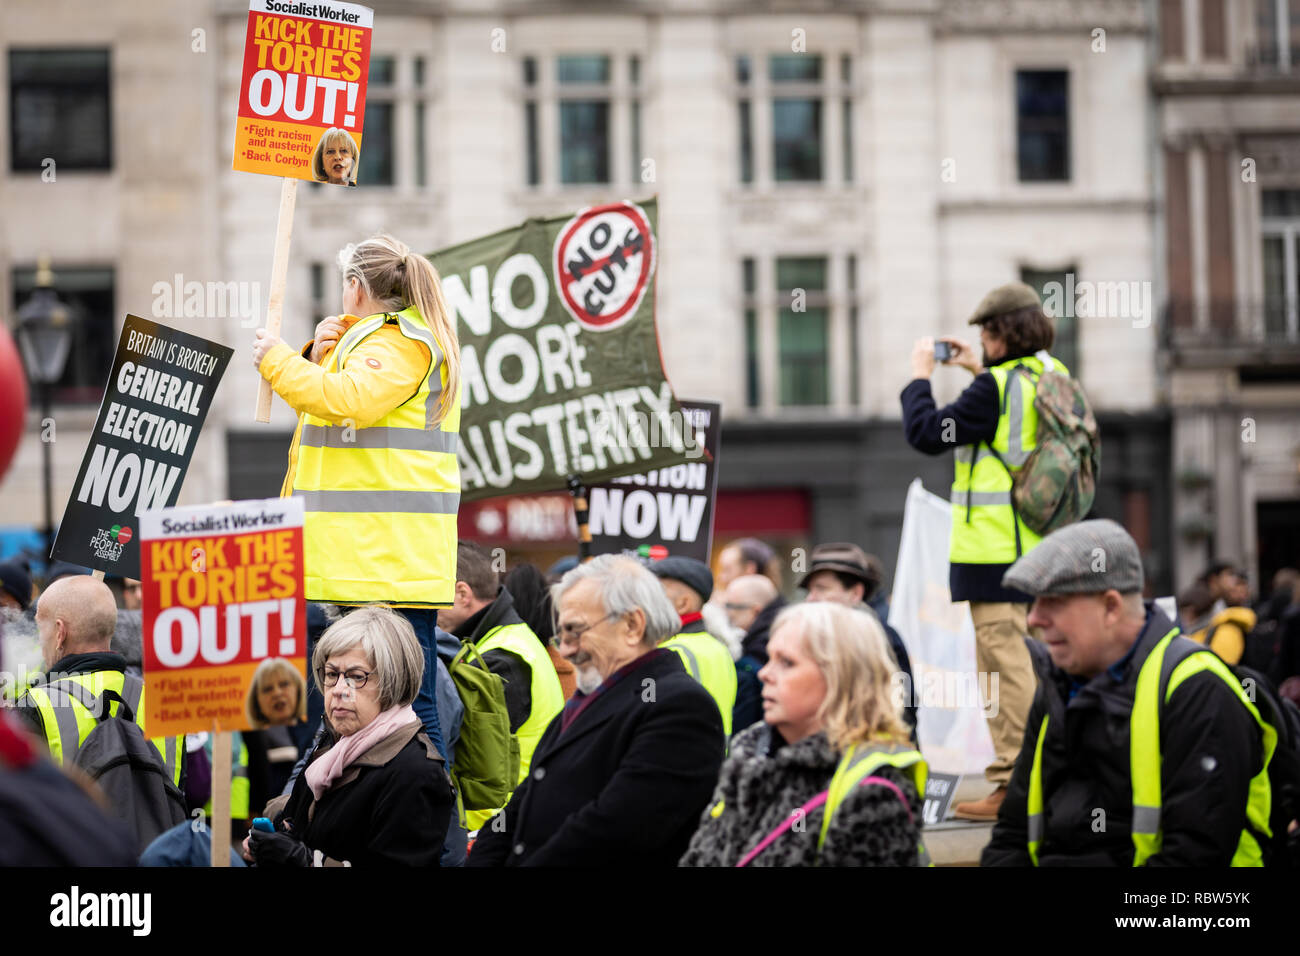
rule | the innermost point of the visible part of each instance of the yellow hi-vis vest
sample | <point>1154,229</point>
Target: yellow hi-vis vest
<point>860,762</point>
<point>546,695</point>
<point>985,530</point>
<point>239,784</point>
<point>708,661</point>
<point>68,720</point>
<point>1145,759</point>
<point>381,501</point>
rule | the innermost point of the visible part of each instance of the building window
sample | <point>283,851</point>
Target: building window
<point>1277,28</point>
<point>855,395</point>
<point>421,158</point>
<point>846,105</point>
<point>581,102</point>
<point>1055,287</point>
<point>802,326</point>
<point>376,167</point>
<point>749,287</point>
<point>59,108</point>
<point>796,117</point>
<point>746,121</point>
<point>584,118</point>
<point>89,293</point>
<point>1280,225</point>
<point>1043,125</point>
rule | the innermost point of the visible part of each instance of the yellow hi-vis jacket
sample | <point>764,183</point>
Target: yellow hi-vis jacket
<point>546,696</point>
<point>707,660</point>
<point>68,720</point>
<point>985,530</point>
<point>379,478</point>
<point>1145,758</point>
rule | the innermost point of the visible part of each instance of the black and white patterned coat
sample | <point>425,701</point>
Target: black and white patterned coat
<point>760,787</point>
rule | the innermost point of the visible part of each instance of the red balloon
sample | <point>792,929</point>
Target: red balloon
<point>13,399</point>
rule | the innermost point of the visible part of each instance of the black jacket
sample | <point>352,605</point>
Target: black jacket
<point>974,418</point>
<point>511,668</point>
<point>1210,749</point>
<point>390,808</point>
<point>623,786</point>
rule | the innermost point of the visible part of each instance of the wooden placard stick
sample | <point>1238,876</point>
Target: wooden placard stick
<point>279,268</point>
<point>219,823</point>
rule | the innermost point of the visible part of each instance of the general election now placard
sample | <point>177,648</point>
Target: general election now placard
<point>222,591</point>
<point>156,400</point>
<point>560,365</point>
<point>667,511</point>
<point>305,70</point>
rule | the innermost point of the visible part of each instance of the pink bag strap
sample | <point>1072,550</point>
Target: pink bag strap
<point>785,824</point>
<point>813,804</point>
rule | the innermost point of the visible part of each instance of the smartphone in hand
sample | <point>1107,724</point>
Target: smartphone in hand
<point>943,351</point>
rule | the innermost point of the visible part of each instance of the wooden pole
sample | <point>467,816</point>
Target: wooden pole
<point>219,824</point>
<point>279,268</point>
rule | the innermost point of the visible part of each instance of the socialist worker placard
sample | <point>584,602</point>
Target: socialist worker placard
<point>302,98</point>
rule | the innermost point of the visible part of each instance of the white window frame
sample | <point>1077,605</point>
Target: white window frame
<point>1288,229</point>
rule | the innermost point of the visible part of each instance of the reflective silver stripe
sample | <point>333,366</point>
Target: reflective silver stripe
<point>692,665</point>
<point>173,745</point>
<point>80,693</point>
<point>354,336</point>
<point>132,691</point>
<point>981,498</point>
<point>963,454</point>
<point>413,331</point>
<point>382,502</point>
<point>1015,455</point>
<point>65,718</point>
<point>1035,827</point>
<point>1146,820</point>
<point>379,436</point>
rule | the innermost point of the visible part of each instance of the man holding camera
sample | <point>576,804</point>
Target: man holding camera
<point>992,428</point>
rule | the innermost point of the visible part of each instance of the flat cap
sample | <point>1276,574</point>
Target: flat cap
<point>1084,558</point>
<point>847,559</point>
<point>694,574</point>
<point>1004,299</point>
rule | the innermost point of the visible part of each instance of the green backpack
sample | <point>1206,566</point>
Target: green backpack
<point>487,754</point>
<point>1058,482</point>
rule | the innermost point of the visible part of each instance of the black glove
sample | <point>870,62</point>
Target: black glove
<point>277,849</point>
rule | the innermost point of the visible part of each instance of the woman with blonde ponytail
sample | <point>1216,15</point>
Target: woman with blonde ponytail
<point>377,392</point>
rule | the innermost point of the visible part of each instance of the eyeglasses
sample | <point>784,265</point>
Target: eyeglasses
<point>737,607</point>
<point>355,678</point>
<point>572,634</point>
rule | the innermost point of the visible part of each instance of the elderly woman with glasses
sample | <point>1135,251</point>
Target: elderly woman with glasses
<point>375,791</point>
<point>829,777</point>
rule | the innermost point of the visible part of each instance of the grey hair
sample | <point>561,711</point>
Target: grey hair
<point>389,643</point>
<point>626,585</point>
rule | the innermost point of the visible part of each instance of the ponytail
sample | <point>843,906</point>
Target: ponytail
<point>397,278</point>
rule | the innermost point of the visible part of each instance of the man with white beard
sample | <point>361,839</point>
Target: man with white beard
<point>621,776</point>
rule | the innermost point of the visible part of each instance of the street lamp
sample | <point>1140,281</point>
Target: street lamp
<point>44,334</point>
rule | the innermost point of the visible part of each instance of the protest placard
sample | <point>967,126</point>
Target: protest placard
<point>222,590</point>
<point>560,365</point>
<point>156,400</point>
<point>665,511</point>
<point>305,69</point>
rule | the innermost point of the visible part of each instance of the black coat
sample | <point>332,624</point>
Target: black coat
<point>1210,749</point>
<point>623,786</point>
<point>390,808</point>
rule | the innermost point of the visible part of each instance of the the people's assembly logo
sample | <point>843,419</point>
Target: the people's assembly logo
<point>604,260</point>
<point>108,545</point>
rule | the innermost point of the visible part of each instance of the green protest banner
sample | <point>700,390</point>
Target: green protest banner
<point>560,365</point>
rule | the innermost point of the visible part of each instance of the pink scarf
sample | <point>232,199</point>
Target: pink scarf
<point>322,773</point>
